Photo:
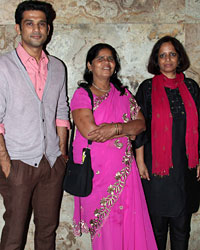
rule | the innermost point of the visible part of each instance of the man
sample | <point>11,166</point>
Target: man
<point>33,131</point>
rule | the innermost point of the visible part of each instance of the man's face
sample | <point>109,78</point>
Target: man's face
<point>33,29</point>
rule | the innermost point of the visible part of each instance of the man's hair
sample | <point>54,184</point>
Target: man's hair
<point>35,5</point>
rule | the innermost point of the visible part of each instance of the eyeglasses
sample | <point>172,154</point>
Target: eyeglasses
<point>104,58</point>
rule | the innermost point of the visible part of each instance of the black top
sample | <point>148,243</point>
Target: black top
<point>179,192</point>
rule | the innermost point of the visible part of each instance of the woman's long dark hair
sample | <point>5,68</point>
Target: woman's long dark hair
<point>91,55</point>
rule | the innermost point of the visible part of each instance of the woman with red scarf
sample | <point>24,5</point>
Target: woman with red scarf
<point>167,154</point>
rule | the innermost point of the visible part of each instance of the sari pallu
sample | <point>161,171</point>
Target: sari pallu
<point>115,213</point>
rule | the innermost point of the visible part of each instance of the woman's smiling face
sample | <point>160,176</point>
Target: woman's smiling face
<point>103,65</point>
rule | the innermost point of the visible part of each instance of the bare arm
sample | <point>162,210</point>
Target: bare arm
<point>141,164</point>
<point>63,136</point>
<point>131,128</point>
<point>134,127</point>
<point>198,172</point>
<point>85,123</point>
<point>5,162</point>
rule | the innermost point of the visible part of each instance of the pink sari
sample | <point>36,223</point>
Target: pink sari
<point>115,213</point>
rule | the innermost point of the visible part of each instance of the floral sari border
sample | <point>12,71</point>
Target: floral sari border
<point>80,228</point>
<point>99,99</point>
<point>114,192</point>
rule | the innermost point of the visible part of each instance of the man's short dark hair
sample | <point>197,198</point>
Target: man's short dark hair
<point>183,60</point>
<point>35,5</point>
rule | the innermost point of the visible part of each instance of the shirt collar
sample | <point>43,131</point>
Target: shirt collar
<point>25,57</point>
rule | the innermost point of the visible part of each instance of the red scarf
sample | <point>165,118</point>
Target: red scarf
<point>161,124</point>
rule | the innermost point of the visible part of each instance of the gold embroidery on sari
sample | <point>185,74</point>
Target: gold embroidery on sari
<point>125,118</point>
<point>114,192</point>
<point>80,228</point>
<point>115,189</point>
<point>118,144</point>
<point>134,108</point>
<point>99,99</point>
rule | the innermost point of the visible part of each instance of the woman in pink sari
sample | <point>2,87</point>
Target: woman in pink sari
<point>115,213</point>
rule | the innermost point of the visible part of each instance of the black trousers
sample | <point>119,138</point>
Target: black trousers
<point>179,228</point>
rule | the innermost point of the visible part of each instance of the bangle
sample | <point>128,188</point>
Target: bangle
<point>117,128</point>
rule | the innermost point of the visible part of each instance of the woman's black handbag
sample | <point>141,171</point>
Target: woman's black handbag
<point>78,177</point>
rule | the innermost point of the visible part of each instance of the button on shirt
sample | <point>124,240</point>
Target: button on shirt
<point>36,71</point>
<point>38,75</point>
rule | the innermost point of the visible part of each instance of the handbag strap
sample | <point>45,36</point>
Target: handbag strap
<point>73,126</point>
<point>91,98</point>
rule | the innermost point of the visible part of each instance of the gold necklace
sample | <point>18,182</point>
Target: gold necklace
<point>93,84</point>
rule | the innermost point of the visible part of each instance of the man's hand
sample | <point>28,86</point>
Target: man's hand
<point>5,166</point>
<point>62,133</point>
<point>5,162</point>
<point>66,158</point>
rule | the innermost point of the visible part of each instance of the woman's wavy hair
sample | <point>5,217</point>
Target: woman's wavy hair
<point>91,55</point>
<point>183,60</point>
